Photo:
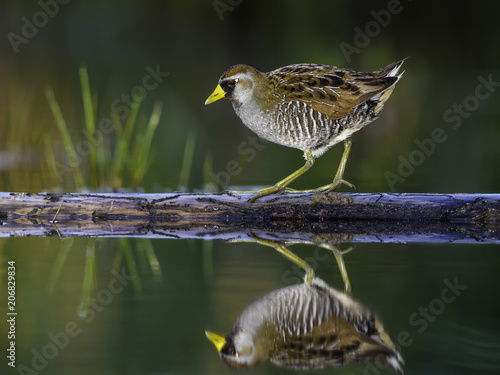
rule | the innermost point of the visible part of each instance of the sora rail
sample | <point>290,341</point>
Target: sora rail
<point>310,107</point>
<point>306,326</point>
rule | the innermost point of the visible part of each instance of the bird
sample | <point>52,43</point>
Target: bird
<point>309,107</point>
<point>306,326</point>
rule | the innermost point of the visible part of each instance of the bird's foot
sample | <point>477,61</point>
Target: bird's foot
<point>333,186</point>
<point>260,193</point>
<point>282,248</point>
<point>278,188</point>
<point>267,191</point>
<point>240,191</point>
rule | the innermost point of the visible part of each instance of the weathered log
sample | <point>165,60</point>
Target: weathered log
<point>286,217</point>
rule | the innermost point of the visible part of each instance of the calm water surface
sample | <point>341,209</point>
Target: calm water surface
<point>148,316</point>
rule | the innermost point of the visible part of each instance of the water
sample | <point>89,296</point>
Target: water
<point>155,323</point>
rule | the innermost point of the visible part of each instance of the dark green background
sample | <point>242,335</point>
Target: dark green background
<point>451,44</point>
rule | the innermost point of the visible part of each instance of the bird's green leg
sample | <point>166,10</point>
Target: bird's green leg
<point>339,176</point>
<point>340,262</point>
<point>282,249</point>
<point>343,270</point>
<point>281,185</point>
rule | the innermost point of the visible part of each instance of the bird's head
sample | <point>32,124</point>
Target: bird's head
<point>236,349</point>
<point>236,84</point>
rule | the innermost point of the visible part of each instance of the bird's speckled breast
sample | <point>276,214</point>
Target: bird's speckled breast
<point>261,121</point>
<point>295,124</point>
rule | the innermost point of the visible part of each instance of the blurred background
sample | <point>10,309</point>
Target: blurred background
<point>69,122</point>
<point>451,47</point>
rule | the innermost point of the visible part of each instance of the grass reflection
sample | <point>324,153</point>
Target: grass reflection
<point>62,255</point>
<point>147,257</point>
<point>125,251</point>
<point>89,279</point>
<point>125,262</point>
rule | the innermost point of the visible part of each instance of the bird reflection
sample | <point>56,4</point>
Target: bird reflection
<point>306,326</point>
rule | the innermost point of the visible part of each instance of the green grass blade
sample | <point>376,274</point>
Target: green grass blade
<point>109,151</point>
<point>89,124</point>
<point>122,152</point>
<point>209,184</point>
<point>51,161</point>
<point>115,119</point>
<point>19,120</point>
<point>68,144</point>
<point>141,156</point>
<point>187,160</point>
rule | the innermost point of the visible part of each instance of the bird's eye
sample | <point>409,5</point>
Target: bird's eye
<point>231,83</point>
<point>229,350</point>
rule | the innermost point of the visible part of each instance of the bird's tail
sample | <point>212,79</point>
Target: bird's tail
<point>390,70</point>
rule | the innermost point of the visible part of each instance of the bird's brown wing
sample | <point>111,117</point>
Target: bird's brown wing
<point>330,90</point>
<point>333,343</point>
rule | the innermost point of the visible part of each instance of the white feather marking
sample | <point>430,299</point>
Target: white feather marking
<point>315,125</point>
<point>305,122</point>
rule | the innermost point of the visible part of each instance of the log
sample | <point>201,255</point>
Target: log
<point>297,217</point>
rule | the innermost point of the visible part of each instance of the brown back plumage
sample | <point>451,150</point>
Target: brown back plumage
<point>333,91</point>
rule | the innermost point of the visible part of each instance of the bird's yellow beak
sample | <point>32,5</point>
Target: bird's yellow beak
<point>216,339</point>
<point>216,95</point>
